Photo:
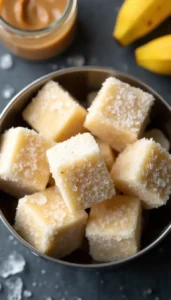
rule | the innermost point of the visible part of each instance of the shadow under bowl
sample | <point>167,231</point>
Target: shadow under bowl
<point>79,82</point>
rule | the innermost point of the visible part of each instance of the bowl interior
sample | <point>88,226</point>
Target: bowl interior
<point>79,82</point>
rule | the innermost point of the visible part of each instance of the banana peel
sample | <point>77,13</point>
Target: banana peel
<point>156,55</point>
<point>137,18</point>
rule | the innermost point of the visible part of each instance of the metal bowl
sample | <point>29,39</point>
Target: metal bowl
<point>79,82</point>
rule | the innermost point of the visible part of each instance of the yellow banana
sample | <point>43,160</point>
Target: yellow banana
<point>156,55</point>
<point>136,18</point>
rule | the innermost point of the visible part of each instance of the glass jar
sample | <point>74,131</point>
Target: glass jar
<point>43,43</point>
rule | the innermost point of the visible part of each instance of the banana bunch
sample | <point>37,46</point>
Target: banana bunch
<point>137,18</point>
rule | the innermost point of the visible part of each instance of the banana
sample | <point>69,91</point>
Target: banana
<point>156,55</point>
<point>136,18</point>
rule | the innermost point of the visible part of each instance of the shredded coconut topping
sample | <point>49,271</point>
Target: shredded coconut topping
<point>123,106</point>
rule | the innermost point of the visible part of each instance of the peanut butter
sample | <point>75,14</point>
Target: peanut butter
<point>32,14</point>
<point>37,29</point>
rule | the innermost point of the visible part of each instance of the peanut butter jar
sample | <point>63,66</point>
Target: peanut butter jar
<point>36,37</point>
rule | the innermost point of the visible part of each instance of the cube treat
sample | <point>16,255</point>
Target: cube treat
<point>158,136</point>
<point>143,169</point>
<point>55,113</point>
<point>57,170</point>
<point>107,153</point>
<point>119,113</point>
<point>114,228</point>
<point>24,167</point>
<point>44,221</point>
<point>79,172</point>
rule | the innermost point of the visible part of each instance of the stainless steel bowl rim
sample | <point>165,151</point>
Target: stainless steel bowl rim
<point>11,229</point>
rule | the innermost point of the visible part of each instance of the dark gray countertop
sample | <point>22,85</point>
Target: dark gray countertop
<point>144,278</point>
